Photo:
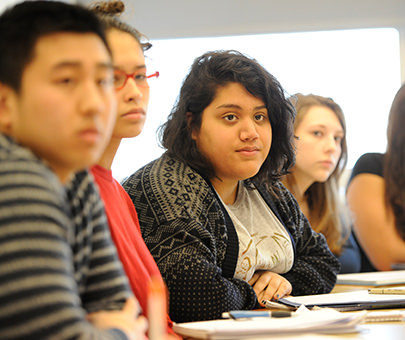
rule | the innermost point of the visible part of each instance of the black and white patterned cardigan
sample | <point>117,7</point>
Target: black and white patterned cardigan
<point>195,245</point>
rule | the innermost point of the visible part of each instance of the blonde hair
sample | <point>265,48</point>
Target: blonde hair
<point>325,210</point>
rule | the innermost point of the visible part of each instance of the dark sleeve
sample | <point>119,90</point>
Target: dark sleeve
<point>39,297</point>
<point>369,163</point>
<point>315,267</point>
<point>189,248</point>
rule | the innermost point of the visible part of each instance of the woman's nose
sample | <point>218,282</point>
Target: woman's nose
<point>331,144</point>
<point>248,130</point>
<point>132,91</point>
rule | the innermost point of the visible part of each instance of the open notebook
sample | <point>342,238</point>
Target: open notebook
<point>373,278</point>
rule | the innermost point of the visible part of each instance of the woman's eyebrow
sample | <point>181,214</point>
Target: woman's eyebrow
<point>136,68</point>
<point>229,106</point>
<point>235,106</point>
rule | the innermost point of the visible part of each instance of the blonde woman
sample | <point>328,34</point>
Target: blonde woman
<point>321,154</point>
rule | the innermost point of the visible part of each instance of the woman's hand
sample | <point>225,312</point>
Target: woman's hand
<point>269,286</point>
<point>126,320</point>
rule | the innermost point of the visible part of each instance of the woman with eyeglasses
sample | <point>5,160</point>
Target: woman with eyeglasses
<point>132,94</point>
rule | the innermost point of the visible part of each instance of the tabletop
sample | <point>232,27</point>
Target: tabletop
<point>372,331</point>
<point>364,331</point>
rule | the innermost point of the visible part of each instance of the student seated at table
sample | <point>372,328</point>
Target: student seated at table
<point>376,196</point>
<point>132,94</point>
<point>223,230</point>
<point>60,277</point>
<point>321,155</point>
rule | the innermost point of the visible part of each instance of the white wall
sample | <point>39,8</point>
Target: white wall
<point>5,3</point>
<point>161,19</point>
<point>187,18</point>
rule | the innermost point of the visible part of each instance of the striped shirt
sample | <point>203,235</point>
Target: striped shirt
<point>57,262</point>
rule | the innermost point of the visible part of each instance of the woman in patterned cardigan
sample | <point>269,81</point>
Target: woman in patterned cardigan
<point>223,230</point>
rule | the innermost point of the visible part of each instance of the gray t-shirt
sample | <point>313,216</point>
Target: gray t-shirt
<point>264,244</point>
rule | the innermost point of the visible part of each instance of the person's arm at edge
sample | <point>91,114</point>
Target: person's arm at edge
<point>373,223</point>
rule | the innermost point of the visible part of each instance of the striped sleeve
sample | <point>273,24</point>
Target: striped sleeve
<point>39,296</point>
<point>105,286</point>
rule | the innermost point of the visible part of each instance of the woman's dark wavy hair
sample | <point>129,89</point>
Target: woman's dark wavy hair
<point>394,161</point>
<point>217,69</point>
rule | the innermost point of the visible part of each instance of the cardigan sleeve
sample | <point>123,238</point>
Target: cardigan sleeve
<point>184,229</point>
<point>315,267</point>
<point>186,256</point>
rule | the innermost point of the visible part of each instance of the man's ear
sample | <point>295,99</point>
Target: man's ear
<point>189,128</point>
<point>7,96</point>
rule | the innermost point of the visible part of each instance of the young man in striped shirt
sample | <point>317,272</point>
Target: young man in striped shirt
<point>59,273</point>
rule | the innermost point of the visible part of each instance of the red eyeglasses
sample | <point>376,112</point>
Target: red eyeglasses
<point>141,79</point>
